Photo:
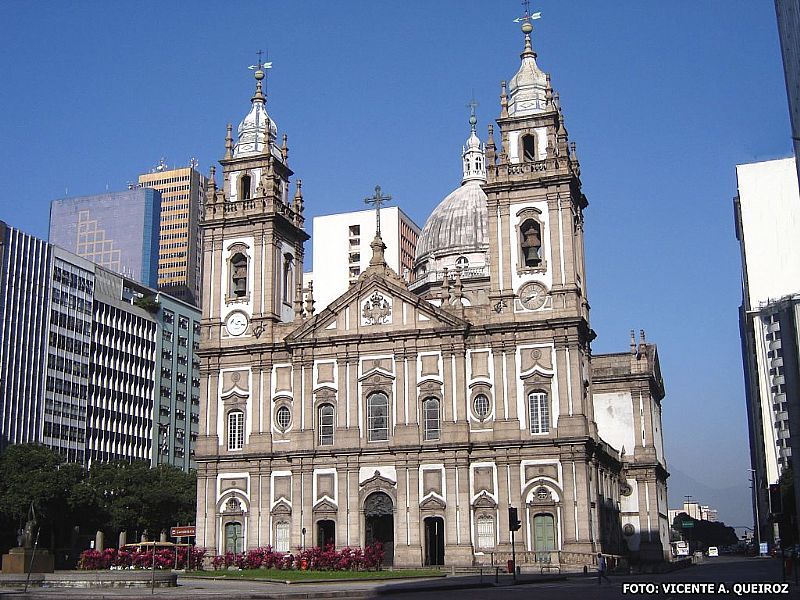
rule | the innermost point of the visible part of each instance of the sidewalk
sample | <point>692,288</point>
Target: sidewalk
<point>197,589</point>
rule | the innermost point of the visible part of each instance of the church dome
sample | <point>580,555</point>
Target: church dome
<point>459,225</point>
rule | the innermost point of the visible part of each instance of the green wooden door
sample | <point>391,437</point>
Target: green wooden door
<point>544,533</point>
<point>234,541</point>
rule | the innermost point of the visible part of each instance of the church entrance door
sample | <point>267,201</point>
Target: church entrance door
<point>379,524</point>
<point>326,533</point>
<point>434,541</point>
<point>544,533</point>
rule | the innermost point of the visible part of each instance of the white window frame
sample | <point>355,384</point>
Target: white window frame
<point>539,412</point>
<point>235,430</point>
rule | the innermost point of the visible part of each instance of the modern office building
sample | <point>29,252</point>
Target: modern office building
<point>341,248</point>
<point>24,330</point>
<point>93,364</point>
<point>767,211</point>
<point>117,230</point>
<point>417,416</point>
<point>788,13</point>
<point>182,193</point>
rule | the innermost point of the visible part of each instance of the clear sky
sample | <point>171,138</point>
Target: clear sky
<point>662,99</point>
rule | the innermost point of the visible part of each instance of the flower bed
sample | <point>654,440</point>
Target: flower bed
<point>314,559</point>
<point>111,558</point>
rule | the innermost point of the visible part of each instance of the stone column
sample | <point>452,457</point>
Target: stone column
<point>447,400</point>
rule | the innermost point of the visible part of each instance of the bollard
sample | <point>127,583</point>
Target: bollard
<point>497,574</point>
<point>99,541</point>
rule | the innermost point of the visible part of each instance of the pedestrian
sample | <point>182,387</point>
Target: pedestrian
<point>601,569</point>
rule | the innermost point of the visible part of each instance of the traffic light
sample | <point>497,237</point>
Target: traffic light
<point>514,523</point>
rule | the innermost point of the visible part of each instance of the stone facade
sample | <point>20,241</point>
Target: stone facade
<point>416,418</point>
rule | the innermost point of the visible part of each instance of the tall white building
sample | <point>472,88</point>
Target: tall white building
<point>341,248</point>
<point>768,229</point>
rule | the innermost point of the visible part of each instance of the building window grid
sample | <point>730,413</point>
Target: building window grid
<point>486,532</point>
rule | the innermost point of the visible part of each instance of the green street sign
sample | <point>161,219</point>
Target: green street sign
<point>687,524</point>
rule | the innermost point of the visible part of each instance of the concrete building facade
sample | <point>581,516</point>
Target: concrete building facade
<point>182,191</point>
<point>116,230</point>
<point>767,211</point>
<point>341,249</point>
<point>417,414</point>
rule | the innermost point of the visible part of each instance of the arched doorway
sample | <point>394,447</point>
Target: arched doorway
<point>434,541</point>
<point>234,541</point>
<point>379,523</point>
<point>544,532</point>
<point>326,533</point>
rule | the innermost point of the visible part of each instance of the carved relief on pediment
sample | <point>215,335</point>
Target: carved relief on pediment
<point>283,487</point>
<point>282,508</point>
<point>483,479</point>
<point>484,500</point>
<point>235,380</point>
<point>534,471</point>
<point>432,503</point>
<point>533,357</point>
<point>431,482</point>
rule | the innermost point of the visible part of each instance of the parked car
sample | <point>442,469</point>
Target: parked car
<point>712,551</point>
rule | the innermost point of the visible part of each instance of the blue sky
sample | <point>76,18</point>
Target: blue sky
<point>662,99</point>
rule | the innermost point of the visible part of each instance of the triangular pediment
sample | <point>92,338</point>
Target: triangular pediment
<point>325,505</point>
<point>432,502</point>
<point>375,306</point>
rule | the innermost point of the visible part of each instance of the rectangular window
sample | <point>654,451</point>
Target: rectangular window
<point>282,536</point>
<point>377,418</point>
<point>235,430</point>
<point>326,425</point>
<point>485,532</point>
<point>539,412</point>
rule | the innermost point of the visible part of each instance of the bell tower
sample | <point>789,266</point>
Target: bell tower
<point>252,232</point>
<point>535,201</point>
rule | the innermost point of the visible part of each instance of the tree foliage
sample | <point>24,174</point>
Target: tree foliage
<point>111,497</point>
<point>701,534</point>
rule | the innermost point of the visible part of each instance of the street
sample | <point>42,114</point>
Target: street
<point>725,570</point>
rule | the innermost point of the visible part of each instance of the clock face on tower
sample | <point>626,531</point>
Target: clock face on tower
<point>236,323</point>
<point>533,295</point>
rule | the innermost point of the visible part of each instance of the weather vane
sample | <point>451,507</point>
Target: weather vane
<point>472,105</point>
<point>527,17</point>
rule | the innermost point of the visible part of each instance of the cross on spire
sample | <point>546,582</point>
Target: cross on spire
<point>527,17</point>
<point>376,201</point>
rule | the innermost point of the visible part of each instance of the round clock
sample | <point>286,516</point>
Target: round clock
<point>236,323</point>
<point>532,295</point>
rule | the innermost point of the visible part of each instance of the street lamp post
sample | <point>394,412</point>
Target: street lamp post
<point>757,524</point>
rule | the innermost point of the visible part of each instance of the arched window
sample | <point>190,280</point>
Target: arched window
<point>282,536</point>
<point>377,417</point>
<point>234,540</point>
<point>430,411</point>
<point>539,411</point>
<point>238,275</point>
<point>531,243</point>
<point>325,422</point>
<point>528,148</point>
<point>462,262</point>
<point>235,430</point>
<point>244,187</point>
<point>485,531</point>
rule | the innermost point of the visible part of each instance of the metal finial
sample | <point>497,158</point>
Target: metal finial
<point>376,201</point>
<point>473,120</point>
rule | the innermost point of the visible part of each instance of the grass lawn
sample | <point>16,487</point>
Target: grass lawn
<point>293,575</point>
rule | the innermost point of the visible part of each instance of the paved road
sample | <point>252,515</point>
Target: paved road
<point>723,570</point>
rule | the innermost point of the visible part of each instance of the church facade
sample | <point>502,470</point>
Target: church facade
<point>415,413</point>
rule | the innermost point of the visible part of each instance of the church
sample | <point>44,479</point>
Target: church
<point>416,410</point>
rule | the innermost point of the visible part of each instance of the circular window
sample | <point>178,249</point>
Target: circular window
<point>481,406</point>
<point>462,262</point>
<point>628,530</point>
<point>625,489</point>
<point>542,494</point>
<point>283,417</point>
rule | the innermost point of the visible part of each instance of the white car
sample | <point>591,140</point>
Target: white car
<point>712,551</point>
